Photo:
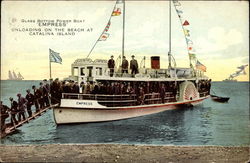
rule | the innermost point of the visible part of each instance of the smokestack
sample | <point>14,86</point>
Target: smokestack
<point>155,62</point>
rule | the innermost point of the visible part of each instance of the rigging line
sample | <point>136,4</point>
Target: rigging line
<point>184,35</point>
<point>103,30</point>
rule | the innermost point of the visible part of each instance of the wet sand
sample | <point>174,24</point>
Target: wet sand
<point>122,153</point>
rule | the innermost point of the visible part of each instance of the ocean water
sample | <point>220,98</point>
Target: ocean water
<point>211,123</point>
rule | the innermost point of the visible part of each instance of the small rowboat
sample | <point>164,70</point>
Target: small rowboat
<point>219,99</point>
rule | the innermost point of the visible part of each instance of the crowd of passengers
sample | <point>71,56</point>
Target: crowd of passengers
<point>50,92</point>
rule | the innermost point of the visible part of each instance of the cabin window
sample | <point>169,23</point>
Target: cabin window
<point>82,71</point>
<point>90,70</point>
<point>75,71</point>
<point>99,71</point>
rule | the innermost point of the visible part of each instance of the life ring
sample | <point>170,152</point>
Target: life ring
<point>188,91</point>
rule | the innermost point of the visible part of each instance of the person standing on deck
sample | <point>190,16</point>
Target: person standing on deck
<point>13,110</point>
<point>162,93</point>
<point>37,96</point>
<point>30,98</point>
<point>124,65</point>
<point>111,65</point>
<point>3,115</point>
<point>133,66</point>
<point>22,103</point>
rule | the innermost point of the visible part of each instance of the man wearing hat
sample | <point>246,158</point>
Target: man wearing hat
<point>3,115</point>
<point>133,66</point>
<point>124,65</point>
<point>13,110</point>
<point>22,103</point>
<point>111,65</point>
<point>30,98</point>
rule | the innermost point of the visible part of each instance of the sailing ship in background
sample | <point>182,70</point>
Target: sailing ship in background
<point>14,76</point>
<point>152,90</point>
<point>241,71</point>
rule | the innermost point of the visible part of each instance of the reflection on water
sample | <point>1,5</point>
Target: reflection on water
<point>208,124</point>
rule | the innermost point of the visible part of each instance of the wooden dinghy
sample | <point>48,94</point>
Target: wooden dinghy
<point>219,99</point>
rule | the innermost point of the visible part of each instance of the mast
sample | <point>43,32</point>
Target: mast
<point>123,29</point>
<point>169,50</point>
<point>10,75</point>
<point>14,74</point>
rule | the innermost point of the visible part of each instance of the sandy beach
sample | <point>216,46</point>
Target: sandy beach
<point>122,153</point>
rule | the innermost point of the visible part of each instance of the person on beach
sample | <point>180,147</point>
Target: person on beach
<point>13,110</point>
<point>22,104</point>
<point>111,65</point>
<point>30,98</point>
<point>3,115</point>
<point>133,66</point>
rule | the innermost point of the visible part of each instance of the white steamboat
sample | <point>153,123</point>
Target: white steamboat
<point>183,86</point>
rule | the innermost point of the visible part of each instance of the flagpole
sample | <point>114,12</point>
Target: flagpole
<point>169,51</point>
<point>49,67</point>
<point>123,30</point>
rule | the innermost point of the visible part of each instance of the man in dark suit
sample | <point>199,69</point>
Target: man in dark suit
<point>124,65</point>
<point>13,110</point>
<point>111,65</point>
<point>133,66</point>
<point>30,98</point>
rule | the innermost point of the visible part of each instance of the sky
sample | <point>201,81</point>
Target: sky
<point>219,31</point>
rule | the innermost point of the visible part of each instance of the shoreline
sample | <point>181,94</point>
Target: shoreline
<point>122,153</point>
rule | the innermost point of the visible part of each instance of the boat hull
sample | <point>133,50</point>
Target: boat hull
<point>66,115</point>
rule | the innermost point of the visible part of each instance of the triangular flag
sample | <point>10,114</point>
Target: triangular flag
<point>191,55</point>
<point>103,37</point>
<point>117,12</point>
<point>186,32</point>
<point>189,41</point>
<point>186,23</point>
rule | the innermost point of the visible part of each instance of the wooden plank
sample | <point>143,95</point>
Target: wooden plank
<point>11,129</point>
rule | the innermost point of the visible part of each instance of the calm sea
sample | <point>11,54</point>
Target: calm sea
<point>211,123</point>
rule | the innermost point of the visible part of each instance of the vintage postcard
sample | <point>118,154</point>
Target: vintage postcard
<point>125,75</point>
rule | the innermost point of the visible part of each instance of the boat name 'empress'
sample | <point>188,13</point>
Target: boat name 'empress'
<point>84,103</point>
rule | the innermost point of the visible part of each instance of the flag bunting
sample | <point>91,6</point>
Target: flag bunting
<point>103,37</point>
<point>185,23</point>
<point>116,12</point>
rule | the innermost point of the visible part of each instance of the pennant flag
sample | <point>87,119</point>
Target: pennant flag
<point>54,57</point>
<point>186,32</point>
<point>200,66</point>
<point>189,41</point>
<point>103,37</point>
<point>190,48</point>
<point>179,11</point>
<point>119,1</point>
<point>176,3</point>
<point>107,27</point>
<point>117,12</point>
<point>185,23</point>
<point>191,55</point>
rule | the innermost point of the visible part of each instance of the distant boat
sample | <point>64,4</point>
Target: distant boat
<point>14,76</point>
<point>220,99</point>
<point>241,71</point>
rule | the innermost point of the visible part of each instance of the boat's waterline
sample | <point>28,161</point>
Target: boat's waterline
<point>66,115</point>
